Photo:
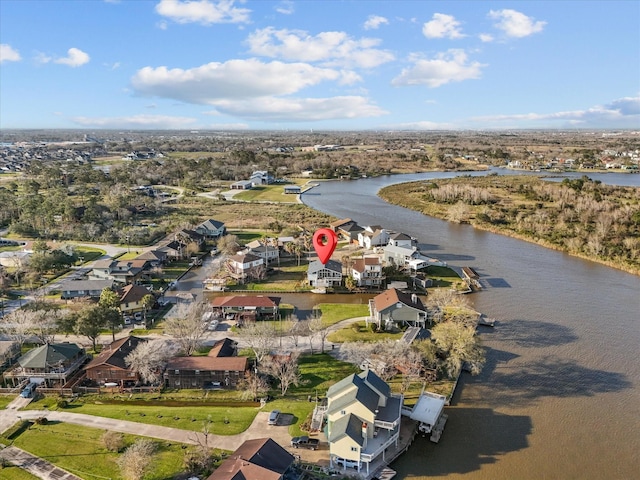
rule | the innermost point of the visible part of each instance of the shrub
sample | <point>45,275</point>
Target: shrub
<point>113,441</point>
<point>62,403</point>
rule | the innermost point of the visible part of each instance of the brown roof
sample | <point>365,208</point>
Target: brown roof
<point>245,258</point>
<point>246,301</point>
<point>132,293</point>
<point>392,296</point>
<point>359,264</point>
<point>260,458</point>
<point>236,364</point>
<point>224,348</point>
<point>339,223</point>
<point>114,355</point>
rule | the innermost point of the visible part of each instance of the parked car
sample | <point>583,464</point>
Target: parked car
<point>213,325</point>
<point>127,320</point>
<point>273,417</point>
<point>137,316</point>
<point>29,391</point>
<point>305,442</point>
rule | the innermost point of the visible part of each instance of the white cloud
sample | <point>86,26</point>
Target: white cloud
<point>446,67</point>
<point>486,37</point>
<point>75,58</point>
<point>234,79</point>
<point>300,109</point>
<point>42,58</point>
<point>374,22</point>
<point>8,54</point>
<point>136,121</point>
<point>620,113</point>
<point>515,24</point>
<point>330,48</point>
<point>205,12</point>
<point>285,7</point>
<point>442,26</point>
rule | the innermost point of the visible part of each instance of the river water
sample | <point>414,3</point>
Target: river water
<point>559,397</point>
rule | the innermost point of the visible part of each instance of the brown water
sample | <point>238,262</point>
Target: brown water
<point>560,395</point>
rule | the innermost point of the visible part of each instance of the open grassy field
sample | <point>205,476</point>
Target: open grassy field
<point>358,332</point>
<point>80,450</point>
<point>270,193</point>
<point>333,313</point>
<point>11,472</point>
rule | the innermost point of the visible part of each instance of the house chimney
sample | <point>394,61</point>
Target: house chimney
<point>414,298</point>
<point>364,435</point>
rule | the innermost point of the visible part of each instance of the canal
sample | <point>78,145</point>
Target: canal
<point>559,397</point>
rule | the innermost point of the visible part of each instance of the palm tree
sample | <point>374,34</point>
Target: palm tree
<point>147,303</point>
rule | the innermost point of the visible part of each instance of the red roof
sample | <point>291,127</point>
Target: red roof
<point>393,296</point>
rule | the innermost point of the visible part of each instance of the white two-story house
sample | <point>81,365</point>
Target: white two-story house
<point>367,272</point>
<point>363,420</point>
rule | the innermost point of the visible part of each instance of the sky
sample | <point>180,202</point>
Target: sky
<point>319,64</point>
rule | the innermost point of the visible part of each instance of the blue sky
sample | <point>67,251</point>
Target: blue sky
<point>319,64</point>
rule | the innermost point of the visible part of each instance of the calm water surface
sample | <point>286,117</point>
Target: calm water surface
<point>560,395</point>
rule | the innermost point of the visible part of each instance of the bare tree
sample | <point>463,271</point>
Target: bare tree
<point>253,385</point>
<point>458,343</point>
<point>284,368</point>
<point>149,359</point>
<point>113,441</point>
<point>136,459</point>
<point>228,244</point>
<point>293,329</point>
<point>261,338</point>
<point>319,328</point>
<point>19,325</point>
<point>186,326</point>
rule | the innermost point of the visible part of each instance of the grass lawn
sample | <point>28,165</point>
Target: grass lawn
<point>335,312</point>
<point>184,417</point>
<point>16,473</point>
<point>286,278</point>
<point>80,450</point>
<point>443,276</point>
<point>269,193</point>
<point>6,400</point>
<point>349,334</point>
<point>89,254</point>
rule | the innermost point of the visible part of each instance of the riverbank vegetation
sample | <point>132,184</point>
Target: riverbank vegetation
<point>579,216</point>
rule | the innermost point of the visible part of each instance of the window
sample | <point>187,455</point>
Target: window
<point>354,449</point>
<point>177,372</point>
<point>343,412</point>
<point>197,372</point>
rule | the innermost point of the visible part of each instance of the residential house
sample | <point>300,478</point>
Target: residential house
<point>409,257</point>
<point>241,185</point>
<point>268,252</point>
<point>367,272</point>
<point>131,298</point>
<point>363,420</point>
<point>126,271</point>
<point>211,229</point>
<point>394,307</point>
<point>292,189</point>
<point>174,250</point>
<point>252,307</point>
<point>373,236</point>
<point>327,275</point>
<point>154,258</point>
<point>349,231</point>
<point>110,365</point>
<point>211,371</point>
<point>14,259</point>
<point>260,458</point>
<point>189,237</point>
<point>402,239</point>
<point>51,364</point>
<point>261,177</point>
<point>83,288</point>
<point>245,266</point>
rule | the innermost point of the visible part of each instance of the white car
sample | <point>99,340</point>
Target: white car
<point>213,325</point>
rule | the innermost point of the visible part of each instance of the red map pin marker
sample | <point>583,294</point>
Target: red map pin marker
<point>324,242</point>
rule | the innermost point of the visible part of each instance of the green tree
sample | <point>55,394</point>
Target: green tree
<point>91,321</point>
<point>110,302</point>
<point>148,301</point>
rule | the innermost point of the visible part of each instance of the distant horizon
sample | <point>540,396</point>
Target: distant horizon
<point>323,65</point>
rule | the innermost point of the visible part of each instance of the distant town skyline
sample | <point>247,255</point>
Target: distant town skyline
<point>319,64</point>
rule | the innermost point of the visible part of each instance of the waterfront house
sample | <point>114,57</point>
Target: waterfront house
<point>373,236</point>
<point>246,266</point>
<point>221,368</point>
<point>174,250</point>
<point>367,272</point>
<point>70,289</point>
<point>259,458</point>
<point>51,364</point>
<point>261,177</point>
<point>402,239</point>
<point>241,185</point>
<point>266,251</point>
<point>327,275</point>
<point>363,420</point>
<point>211,229</point>
<point>395,307</point>
<point>189,237</point>
<point>261,307</point>
<point>154,258</point>
<point>110,365</point>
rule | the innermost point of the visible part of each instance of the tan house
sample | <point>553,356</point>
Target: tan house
<point>245,266</point>
<point>363,420</point>
<point>367,272</point>
<point>131,298</point>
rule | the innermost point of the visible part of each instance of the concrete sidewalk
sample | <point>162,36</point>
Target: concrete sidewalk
<point>35,465</point>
